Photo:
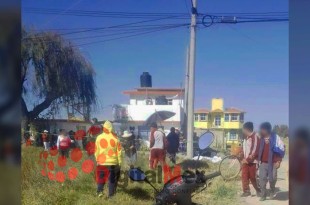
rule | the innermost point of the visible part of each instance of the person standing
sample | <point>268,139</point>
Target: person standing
<point>63,143</point>
<point>108,156</point>
<point>128,144</point>
<point>157,146</point>
<point>45,140</point>
<point>138,142</point>
<point>269,160</point>
<point>173,143</point>
<point>94,130</point>
<point>249,161</point>
<point>79,136</point>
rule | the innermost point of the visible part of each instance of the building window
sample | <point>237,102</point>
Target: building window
<point>169,101</point>
<point>241,117</point>
<point>226,117</point>
<point>217,120</point>
<point>234,117</point>
<point>203,117</point>
<point>196,117</point>
<point>149,101</point>
<point>233,135</point>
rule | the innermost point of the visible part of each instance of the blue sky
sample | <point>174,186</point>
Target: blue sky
<point>246,64</point>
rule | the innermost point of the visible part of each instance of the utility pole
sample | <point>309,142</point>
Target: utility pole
<point>186,83</point>
<point>185,101</point>
<point>191,82</point>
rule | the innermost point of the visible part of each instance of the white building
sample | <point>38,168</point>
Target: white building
<point>143,102</point>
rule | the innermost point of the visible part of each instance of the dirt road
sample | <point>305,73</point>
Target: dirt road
<point>281,186</point>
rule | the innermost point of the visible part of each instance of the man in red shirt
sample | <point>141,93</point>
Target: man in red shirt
<point>249,162</point>
<point>269,160</point>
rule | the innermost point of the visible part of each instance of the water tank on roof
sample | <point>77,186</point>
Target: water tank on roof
<point>146,80</point>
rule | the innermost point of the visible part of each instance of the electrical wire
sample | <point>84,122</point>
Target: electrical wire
<point>140,28</point>
<point>117,33</point>
<point>100,13</point>
<point>189,11</point>
<point>128,36</point>
<point>118,26</point>
<point>238,19</point>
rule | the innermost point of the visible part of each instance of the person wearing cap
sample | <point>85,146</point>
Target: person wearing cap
<point>108,156</point>
<point>128,144</point>
<point>158,146</point>
<point>45,140</point>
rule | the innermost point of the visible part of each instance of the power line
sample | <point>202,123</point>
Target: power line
<point>249,13</point>
<point>118,26</point>
<point>124,27</point>
<point>237,19</point>
<point>116,33</point>
<point>99,13</point>
<point>127,36</point>
<point>189,11</point>
<point>264,20</point>
<point>130,31</point>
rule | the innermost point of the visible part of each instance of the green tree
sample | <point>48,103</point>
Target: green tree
<point>54,73</point>
<point>281,130</point>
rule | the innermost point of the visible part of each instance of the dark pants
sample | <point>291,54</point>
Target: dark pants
<point>64,152</point>
<point>263,178</point>
<point>110,174</point>
<point>172,156</point>
<point>249,174</point>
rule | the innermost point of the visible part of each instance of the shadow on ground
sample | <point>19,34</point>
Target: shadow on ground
<point>193,164</point>
<point>138,193</point>
<point>281,196</point>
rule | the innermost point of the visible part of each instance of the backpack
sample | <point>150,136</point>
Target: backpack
<point>165,141</point>
<point>279,146</point>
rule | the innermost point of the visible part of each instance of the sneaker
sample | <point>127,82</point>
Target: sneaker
<point>100,194</point>
<point>263,198</point>
<point>272,194</point>
<point>258,193</point>
<point>246,194</point>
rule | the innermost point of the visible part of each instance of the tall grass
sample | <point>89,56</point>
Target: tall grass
<point>37,189</point>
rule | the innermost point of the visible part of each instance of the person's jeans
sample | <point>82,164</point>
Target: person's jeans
<point>46,145</point>
<point>131,160</point>
<point>249,174</point>
<point>79,144</point>
<point>110,174</point>
<point>263,178</point>
<point>172,157</point>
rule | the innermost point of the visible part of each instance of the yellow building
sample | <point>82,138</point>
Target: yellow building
<point>229,120</point>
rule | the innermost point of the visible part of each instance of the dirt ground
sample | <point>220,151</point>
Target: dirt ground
<point>281,186</point>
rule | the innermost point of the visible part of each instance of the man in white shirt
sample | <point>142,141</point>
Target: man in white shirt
<point>157,146</point>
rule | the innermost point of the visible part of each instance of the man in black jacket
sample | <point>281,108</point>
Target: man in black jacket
<point>173,145</point>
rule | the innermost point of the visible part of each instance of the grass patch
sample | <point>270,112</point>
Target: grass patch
<point>37,189</point>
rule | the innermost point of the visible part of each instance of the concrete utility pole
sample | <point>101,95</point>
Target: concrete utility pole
<point>185,101</point>
<point>191,82</point>
<point>186,83</point>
